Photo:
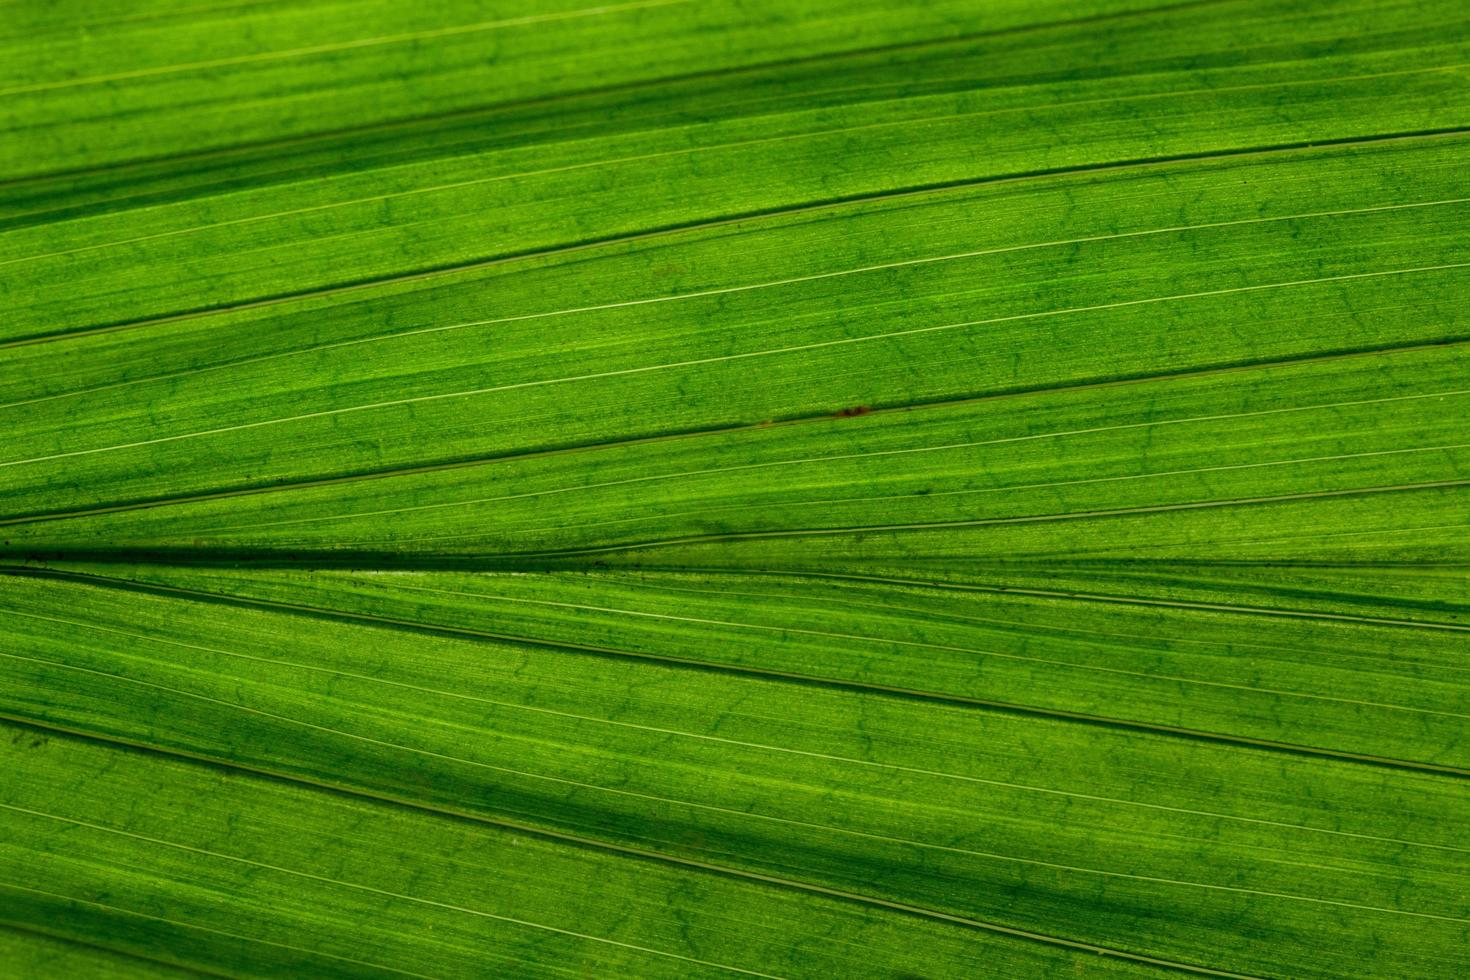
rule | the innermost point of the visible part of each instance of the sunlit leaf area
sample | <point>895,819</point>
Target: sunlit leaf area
<point>734,488</point>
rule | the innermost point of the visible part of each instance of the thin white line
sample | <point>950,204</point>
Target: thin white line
<point>959,777</point>
<point>990,855</point>
<point>749,354</point>
<point>843,457</point>
<point>367,42</point>
<point>922,645</point>
<point>769,505</point>
<point>215,932</point>
<point>685,151</point>
<point>747,287</point>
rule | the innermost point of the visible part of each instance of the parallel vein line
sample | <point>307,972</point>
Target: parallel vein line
<point>726,358</point>
<point>823,756</point>
<point>991,521</point>
<point>741,288</point>
<point>367,42</point>
<point>688,151</point>
<point>840,457</point>
<point>768,506</point>
<point>214,932</point>
<point>359,793</point>
<point>736,219</point>
<point>952,615</point>
<point>988,855</point>
<point>833,635</point>
<point>1131,600</point>
<point>748,671</point>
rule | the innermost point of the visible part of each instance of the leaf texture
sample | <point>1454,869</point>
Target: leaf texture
<point>755,489</point>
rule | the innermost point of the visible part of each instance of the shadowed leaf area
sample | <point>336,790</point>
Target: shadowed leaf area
<point>791,489</point>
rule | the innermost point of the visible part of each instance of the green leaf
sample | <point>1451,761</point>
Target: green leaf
<point>784,490</point>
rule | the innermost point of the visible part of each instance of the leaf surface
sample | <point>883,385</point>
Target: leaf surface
<point>784,490</point>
